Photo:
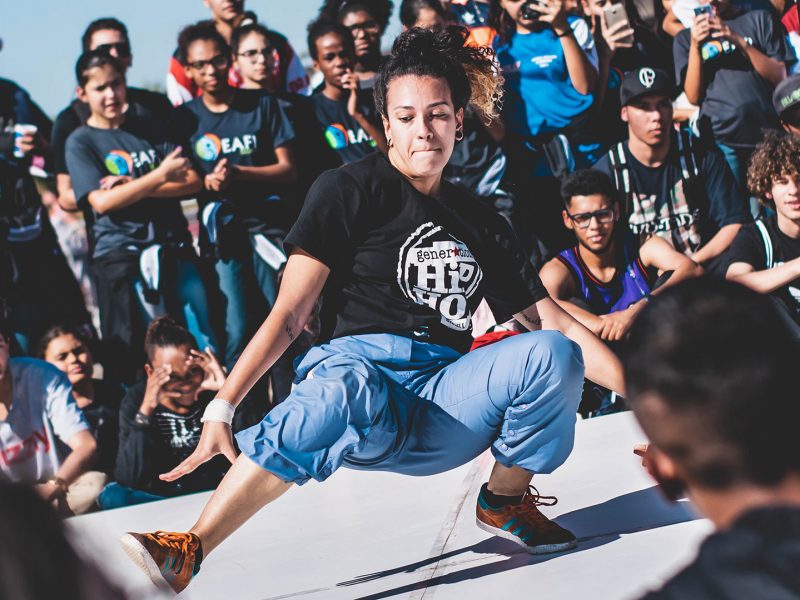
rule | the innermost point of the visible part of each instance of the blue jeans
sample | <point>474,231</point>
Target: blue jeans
<point>392,403</point>
<point>115,495</point>
<point>242,281</point>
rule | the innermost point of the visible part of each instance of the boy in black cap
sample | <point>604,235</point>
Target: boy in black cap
<point>670,187</point>
<point>786,100</point>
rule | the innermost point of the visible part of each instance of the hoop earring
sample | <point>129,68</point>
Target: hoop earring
<point>460,131</point>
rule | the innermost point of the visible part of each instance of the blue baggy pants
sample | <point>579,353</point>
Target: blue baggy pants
<point>393,403</point>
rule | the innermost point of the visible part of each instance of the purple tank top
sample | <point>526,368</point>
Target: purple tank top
<point>630,283</point>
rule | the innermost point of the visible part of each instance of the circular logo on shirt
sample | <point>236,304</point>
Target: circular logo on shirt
<point>208,147</point>
<point>437,270</point>
<point>336,136</point>
<point>119,162</point>
<point>647,77</point>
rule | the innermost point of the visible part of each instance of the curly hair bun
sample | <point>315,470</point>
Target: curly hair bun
<point>471,71</point>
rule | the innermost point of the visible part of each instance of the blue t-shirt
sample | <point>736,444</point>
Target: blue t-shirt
<point>246,135</point>
<point>539,94</point>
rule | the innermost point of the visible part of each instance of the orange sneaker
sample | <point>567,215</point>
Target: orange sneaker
<point>523,524</point>
<point>165,557</point>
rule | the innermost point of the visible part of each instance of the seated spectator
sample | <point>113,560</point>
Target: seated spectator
<point>670,186</point>
<point>45,440</point>
<point>37,561</point>
<point>765,256</point>
<point>17,108</point>
<point>35,278</point>
<point>786,100</point>
<point>423,13</point>
<point>68,349</point>
<point>607,272</point>
<point>287,74</point>
<point>128,179</point>
<point>367,21</point>
<point>160,420</point>
<point>712,379</point>
<point>111,36</point>
<point>345,112</point>
<point>549,61</point>
<point>728,63</point>
<point>241,142</point>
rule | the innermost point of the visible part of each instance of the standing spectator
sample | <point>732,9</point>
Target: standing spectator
<point>765,256</point>
<point>422,13</point>
<point>287,72</point>
<point>45,440</point>
<point>17,108</point>
<point>474,15</point>
<point>128,179</point>
<point>786,100</point>
<point>671,187</point>
<point>68,349</point>
<point>367,21</point>
<point>111,36</point>
<point>34,275</point>
<point>712,379</point>
<point>160,420</point>
<point>549,62</point>
<point>728,63</point>
<point>346,113</point>
<point>240,142</point>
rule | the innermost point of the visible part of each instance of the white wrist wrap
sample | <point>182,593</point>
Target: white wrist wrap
<point>219,411</point>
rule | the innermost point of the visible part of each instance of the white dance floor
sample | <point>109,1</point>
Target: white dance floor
<point>379,535</point>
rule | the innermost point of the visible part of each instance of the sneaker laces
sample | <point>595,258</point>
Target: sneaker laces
<point>184,543</point>
<point>534,498</point>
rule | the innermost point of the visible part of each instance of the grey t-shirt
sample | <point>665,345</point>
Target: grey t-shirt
<point>43,418</point>
<point>134,149</point>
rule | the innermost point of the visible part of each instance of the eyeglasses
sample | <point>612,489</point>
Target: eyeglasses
<point>252,55</point>
<point>582,220</point>
<point>365,27</point>
<point>220,61</point>
<point>122,49</point>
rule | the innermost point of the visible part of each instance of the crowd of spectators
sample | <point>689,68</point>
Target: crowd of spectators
<point>641,144</point>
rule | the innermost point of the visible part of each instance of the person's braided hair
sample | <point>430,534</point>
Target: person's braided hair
<point>470,71</point>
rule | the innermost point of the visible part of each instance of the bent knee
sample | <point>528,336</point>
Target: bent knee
<point>553,355</point>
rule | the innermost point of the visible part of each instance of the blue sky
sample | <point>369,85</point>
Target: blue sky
<point>41,38</point>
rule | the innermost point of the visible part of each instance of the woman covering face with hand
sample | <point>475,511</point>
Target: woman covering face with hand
<point>404,259</point>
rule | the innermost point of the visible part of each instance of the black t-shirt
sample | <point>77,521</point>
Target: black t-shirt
<point>748,247</point>
<point>737,102</point>
<point>660,205</point>
<point>342,132</point>
<point>134,149</point>
<point>142,104</point>
<point>246,135</point>
<point>103,417</point>
<point>402,262</point>
<point>478,162</point>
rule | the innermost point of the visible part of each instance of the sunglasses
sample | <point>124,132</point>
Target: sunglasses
<point>583,220</point>
<point>220,61</point>
<point>122,49</point>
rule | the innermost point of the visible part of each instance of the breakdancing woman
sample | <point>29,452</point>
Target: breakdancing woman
<point>403,259</point>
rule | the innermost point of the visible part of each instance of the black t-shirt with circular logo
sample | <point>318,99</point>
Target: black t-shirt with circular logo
<point>402,262</point>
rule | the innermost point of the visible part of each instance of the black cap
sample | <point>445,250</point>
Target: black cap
<point>786,94</point>
<point>643,82</point>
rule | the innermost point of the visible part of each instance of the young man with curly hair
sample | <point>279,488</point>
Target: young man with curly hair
<point>765,255</point>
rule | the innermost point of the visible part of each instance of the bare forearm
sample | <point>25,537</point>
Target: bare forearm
<point>281,172</point>
<point>771,70</point>
<point>718,244</point>
<point>680,274</point>
<point>66,195</point>
<point>693,85</point>
<point>121,196</point>
<point>769,280</point>
<point>179,189</point>
<point>582,73</point>
<point>77,463</point>
<point>583,316</point>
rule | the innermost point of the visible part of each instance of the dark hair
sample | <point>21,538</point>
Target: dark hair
<point>585,182</point>
<point>410,9</point>
<point>92,60</point>
<point>336,10</point>
<point>501,21</point>
<point>776,157</point>
<point>710,371</point>
<point>321,28</point>
<point>166,332</point>
<point>100,25</point>
<point>470,71</point>
<point>57,331</point>
<point>204,30</point>
<point>242,32</point>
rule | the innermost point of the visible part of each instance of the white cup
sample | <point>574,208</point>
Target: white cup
<point>21,129</point>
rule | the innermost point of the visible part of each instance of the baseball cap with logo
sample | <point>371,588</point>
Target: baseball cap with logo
<point>644,82</point>
<point>787,94</point>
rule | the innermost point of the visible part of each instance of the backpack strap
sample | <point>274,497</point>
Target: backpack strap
<point>762,229</point>
<point>622,173</point>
